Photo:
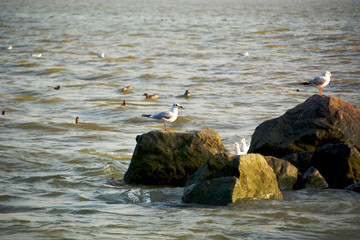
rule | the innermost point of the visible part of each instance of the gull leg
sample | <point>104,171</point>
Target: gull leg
<point>320,91</point>
<point>165,125</point>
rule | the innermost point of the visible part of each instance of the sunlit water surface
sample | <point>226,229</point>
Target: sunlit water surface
<point>63,180</point>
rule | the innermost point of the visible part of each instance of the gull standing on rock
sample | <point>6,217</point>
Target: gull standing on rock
<point>166,116</point>
<point>321,81</point>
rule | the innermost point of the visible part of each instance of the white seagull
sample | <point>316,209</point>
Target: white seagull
<point>101,55</point>
<point>321,81</point>
<point>166,116</point>
<point>241,150</point>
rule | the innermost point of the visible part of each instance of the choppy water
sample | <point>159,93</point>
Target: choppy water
<point>63,180</point>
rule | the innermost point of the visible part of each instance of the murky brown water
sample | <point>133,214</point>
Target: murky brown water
<point>56,176</point>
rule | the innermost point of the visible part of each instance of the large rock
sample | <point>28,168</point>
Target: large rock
<point>247,176</point>
<point>339,164</point>
<point>318,121</point>
<point>169,158</point>
<point>286,173</point>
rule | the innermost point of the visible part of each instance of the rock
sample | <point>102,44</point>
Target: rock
<point>339,164</point>
<point>213,164</point>
<point>354,187</point>
<point>247,176</point>
<point>169,158</point>
<point>318,121</point>
<point>218,192</point>
<point>286,173</point>
<point>312,179</point>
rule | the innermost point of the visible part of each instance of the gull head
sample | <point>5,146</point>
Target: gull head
<point>327,74</point>
<point>176,105</point>
<point>236,145</point>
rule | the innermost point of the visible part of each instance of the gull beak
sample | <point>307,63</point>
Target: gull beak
<point>180,106</point>
<point>332,75</point>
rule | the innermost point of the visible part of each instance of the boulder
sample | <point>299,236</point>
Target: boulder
<point>318,121</point>
<point>169,158</point>
<point>286,173</point>
<point>339,164</point>
<point>312,179</point>
<point>213,164</point>
<point>217,192</point>
<point>246,176</point>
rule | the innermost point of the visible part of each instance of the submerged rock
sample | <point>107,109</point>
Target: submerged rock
<point>169,158</point>
<point>247,176</point>
<point>354,187</point>
<point>318,121</point>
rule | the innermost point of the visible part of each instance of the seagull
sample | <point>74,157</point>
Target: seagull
<point>244,147</point>
<point>101,55</point>
<point>151,96</point>
<point>321,81</point>
<point>10,47</point>
<point>36,55</point>
<point>245,54</point>
<point>241,150</point>
<point>166,116</point>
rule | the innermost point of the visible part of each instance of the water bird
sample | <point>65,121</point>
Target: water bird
<point>101,55</point>
<point>321,81</point>
<point>77,120</point>
<point>126,88</point>
<point>57,87</point>
<point>241,150</point>
<point>10,47</point>
<point>36,55</point>
<point>187,93</point>
<point>3,112</point>
<point>166,116</point>
<point>245,54</point>
<point>154,96</point>
<point>124,103</point>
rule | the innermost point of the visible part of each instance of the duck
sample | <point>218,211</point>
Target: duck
<point>154,96</point>
<point>126,88</point>
<point>187,93</point>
